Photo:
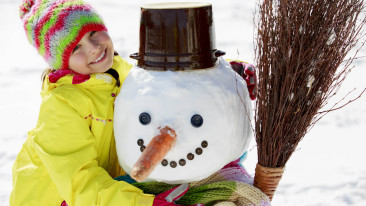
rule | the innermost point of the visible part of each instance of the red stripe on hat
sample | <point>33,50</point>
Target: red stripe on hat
<point>60,23</point>
<point>68,50</point>
<point>36,5</point>
<point>26,17</point>
<point>44,20</point>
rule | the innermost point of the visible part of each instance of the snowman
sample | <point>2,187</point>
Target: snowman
<point>208,110</point>
<point>183,113</point>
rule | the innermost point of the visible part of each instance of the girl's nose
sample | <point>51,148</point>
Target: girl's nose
<point>94,47</point>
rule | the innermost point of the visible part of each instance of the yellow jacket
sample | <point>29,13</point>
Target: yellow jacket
<point>70,154</point>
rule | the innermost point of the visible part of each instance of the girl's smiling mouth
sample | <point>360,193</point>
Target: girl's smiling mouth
<point>100,58</point>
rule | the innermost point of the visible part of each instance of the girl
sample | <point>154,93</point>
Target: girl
<point>70,156</point>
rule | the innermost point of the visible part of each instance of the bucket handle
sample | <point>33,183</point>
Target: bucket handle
<point>135,56</point>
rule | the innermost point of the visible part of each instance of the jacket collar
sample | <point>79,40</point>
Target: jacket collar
<point>67,77</point>
<point>76,77</point>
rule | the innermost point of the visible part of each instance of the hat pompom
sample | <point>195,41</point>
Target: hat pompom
<point>25,7</point>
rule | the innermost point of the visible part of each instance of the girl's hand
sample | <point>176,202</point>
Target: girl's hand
<point>167,198</point>
<point>247,71</point>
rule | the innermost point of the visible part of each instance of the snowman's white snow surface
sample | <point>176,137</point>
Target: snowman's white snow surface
<point>217,94</point>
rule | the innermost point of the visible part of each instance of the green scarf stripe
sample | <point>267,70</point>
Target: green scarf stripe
<point>67,39</point>
<point>52,21</point>
<point>207,194</point>
<point>153,187</point>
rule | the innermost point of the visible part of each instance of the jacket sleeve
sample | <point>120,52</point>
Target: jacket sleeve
<point>65,145</point>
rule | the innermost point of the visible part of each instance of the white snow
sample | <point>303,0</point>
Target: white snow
<point>329,167</point>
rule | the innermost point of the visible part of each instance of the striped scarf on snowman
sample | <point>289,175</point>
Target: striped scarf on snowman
<point>232,185</point>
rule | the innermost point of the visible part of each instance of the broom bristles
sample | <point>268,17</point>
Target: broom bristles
<point>300,47</point>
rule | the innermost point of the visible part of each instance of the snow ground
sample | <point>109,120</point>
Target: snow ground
<point>329,167</point>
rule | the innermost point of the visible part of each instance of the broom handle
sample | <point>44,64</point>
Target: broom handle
<point>267,178</point>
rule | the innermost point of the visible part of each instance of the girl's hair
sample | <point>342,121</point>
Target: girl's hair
<point>47,71</point>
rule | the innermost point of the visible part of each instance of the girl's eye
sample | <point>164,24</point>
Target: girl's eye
<point>76,48</point>
<point>92,33</point>
<point>196,120</point>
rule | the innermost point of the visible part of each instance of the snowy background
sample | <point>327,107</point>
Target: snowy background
<point>329,167</point>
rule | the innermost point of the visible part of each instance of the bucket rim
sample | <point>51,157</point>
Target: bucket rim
<point>175,5</point>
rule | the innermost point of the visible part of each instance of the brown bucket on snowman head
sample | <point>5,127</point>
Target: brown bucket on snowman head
<point>177,36</point>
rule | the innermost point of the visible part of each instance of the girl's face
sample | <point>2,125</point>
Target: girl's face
<point>93,54</point>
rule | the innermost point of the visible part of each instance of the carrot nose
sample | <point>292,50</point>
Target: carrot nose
<point>153,154</point>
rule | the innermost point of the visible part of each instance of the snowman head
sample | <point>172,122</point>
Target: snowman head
<point>209,111</point>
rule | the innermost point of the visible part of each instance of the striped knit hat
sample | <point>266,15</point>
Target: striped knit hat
<point>55,27</point>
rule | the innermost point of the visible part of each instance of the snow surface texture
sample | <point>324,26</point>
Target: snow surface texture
<point>172,99</point>
<point>329,167</point>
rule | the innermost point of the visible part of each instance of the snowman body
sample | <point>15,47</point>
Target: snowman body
<point>209,110</point>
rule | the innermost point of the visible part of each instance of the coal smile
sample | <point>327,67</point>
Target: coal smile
<point>182,162</point>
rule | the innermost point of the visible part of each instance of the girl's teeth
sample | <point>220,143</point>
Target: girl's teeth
<point>101,56</point>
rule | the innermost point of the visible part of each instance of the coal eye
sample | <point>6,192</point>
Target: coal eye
<point>144,118</point>
<point>196,120</point>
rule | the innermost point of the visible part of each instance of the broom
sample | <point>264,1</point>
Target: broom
<point>301,50</point>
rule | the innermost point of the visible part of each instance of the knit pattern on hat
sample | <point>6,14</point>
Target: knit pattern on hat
<point>55,27</point>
